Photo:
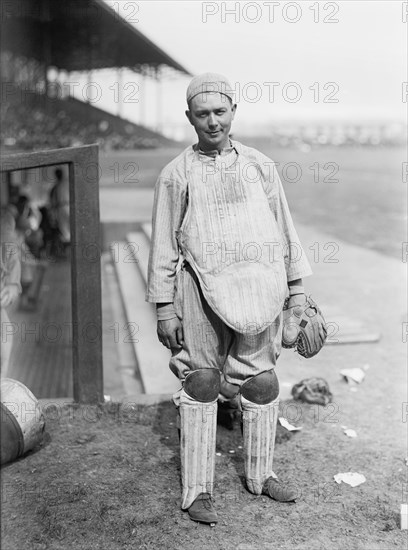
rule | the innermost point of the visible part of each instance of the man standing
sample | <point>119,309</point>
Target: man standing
<point>224,257</point>
<point>59,209</point>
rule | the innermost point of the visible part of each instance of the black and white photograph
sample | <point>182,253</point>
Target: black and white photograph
<point>204,249</point>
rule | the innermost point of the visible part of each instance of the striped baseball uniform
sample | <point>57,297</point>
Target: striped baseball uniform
<point>223,249</point>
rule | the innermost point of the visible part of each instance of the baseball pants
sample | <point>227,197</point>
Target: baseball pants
<point>210,343</point>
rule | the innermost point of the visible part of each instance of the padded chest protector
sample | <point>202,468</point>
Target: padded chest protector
<point>231,239</point>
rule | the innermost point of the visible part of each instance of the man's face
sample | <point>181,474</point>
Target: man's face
<point>211,114</point>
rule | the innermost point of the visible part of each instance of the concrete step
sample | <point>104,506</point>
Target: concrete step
<point>152,357</point>
<point>121,372</point>
<point>343,328</point>
<point>138,246</point>
<point>147,229</point>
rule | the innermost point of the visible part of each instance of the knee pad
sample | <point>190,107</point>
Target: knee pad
<point>262,388</point>
<point>203,385</point>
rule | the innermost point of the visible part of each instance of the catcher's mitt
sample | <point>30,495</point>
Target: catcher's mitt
<point>304,328</point>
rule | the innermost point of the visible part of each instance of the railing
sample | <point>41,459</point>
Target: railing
<point>85,259</point>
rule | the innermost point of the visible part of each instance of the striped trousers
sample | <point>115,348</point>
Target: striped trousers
<point>209,343</point>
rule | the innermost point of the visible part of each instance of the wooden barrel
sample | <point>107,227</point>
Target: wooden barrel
<point>22,421</point>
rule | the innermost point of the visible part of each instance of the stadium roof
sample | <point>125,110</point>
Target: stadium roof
<point>78,35</point>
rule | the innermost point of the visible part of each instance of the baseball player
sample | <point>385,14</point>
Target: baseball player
<point>224,257</point>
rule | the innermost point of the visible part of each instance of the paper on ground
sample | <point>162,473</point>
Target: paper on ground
<point>349,432</point>
<point>351,478</point>
<point>289,427</point>
<point>355,375</point>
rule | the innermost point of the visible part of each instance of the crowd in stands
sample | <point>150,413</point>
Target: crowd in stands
<point>341,134</point>
<point>27,128</point>
<point>347,135</point>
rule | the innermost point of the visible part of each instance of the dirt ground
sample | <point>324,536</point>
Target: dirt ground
<point>108,477</point>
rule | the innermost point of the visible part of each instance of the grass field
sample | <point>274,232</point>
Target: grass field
<point>354,194</point>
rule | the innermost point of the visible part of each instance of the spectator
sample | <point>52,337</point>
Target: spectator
<point>59,208</point>
<point>24,222</point>
<point>28,223</point>
<point>10,270</point>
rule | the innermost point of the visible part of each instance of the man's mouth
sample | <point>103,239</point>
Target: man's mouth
<point>214,133</point>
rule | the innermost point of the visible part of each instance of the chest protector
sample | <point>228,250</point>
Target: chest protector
<point>231,239</point>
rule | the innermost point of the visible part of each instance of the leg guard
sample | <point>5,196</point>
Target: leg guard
<point>198,416</point>
<point>259,431</point>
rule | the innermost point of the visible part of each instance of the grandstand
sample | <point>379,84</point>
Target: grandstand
<point>85,36</point>
<point>30,120</point>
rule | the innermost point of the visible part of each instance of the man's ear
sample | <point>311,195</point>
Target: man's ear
<point>234,110</point>
<point>188,115</point>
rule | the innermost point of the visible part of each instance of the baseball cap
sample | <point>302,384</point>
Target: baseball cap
<point>209,82</point>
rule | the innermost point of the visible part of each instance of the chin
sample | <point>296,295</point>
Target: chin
<point>216,140</point>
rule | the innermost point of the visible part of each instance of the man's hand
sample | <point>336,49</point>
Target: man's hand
<point>170,333</point>
<point>8,294</point>
<point>297,300</point>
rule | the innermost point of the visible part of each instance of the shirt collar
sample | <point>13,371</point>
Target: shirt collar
<point>215,152</point>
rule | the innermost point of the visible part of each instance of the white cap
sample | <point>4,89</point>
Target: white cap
<point>209,82</point>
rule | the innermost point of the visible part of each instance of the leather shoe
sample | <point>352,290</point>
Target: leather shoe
<point>202,509</point>
<point>279,491</point>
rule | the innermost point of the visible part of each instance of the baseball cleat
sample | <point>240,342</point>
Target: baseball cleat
<point>278,491</point>
<point>202,510</point>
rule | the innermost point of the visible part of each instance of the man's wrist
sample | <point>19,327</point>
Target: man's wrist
<point>296,289</point>
<point>165,311</point>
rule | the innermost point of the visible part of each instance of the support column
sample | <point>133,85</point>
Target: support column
<point>159,120</point>
<point>142,98</point>
<point>119,110</point>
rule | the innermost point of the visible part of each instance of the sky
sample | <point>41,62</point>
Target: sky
<point>288,61</point>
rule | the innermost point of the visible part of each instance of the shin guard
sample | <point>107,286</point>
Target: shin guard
<point>259,431</point>
<point>197,447</point>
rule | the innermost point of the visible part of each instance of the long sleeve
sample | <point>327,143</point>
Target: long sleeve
<point>168,211</point>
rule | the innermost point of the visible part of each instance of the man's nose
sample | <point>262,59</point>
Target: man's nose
<point>212,121</point>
